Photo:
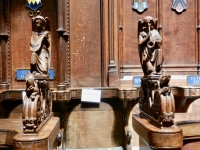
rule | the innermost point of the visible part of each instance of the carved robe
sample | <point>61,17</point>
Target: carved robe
<point>150,57</point>
<point>40,53</point>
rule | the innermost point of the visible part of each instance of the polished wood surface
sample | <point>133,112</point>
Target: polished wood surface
<point>8,129</point>
<point>11,134</point>
<point>183,135</point>
<point>157,137</point>
<point>189,123</point>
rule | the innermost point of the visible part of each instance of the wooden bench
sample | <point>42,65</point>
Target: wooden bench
<point>11,130</point>
<point>125,97</point>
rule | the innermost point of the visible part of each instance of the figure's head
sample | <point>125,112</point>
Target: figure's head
<point>39,22</point>
<point>149,21</point>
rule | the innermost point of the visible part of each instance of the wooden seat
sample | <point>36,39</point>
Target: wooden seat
<point>12,137</point>
<point>191,146</point>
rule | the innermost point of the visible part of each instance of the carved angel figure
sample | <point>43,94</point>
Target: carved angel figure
<point>149,46</point>
<point>40,45</point>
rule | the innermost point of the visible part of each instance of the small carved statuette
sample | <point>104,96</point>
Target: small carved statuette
<point>40,45</point>
<point>156,100</point>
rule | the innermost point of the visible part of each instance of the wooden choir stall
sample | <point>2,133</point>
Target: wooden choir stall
<point>99,74</point>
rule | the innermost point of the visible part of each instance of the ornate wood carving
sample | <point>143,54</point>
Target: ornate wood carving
<point>155,98</point>
<point>129,99</point>
<point>37,104</point>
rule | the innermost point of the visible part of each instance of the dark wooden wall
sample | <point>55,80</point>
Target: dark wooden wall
<point>16,52</point>
<point>94,42</point>
<point>179,33</point>
<point>85,43</point>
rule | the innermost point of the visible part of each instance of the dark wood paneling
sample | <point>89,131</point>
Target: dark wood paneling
<point>85,43</point>
<point>130,36</point>
<point>179,35</point>
<point>94,127</point>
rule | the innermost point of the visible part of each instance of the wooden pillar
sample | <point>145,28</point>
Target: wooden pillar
<point>63,62</point>
<point>4,49</point>
<point>121,22</point>
<point>198,33</point>
<point>113,49</point>
<point>67,43</point>
<point>109,43</point>
<point>159,15</point>
<point>104,15</point>
<point>63,51</point>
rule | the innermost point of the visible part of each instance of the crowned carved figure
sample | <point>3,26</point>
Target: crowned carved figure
<point>149,46</point>
<point>40,45</point>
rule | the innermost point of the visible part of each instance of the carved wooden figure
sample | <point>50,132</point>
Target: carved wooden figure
<point>40,45</point>
<point>155,98</point>
<point>37,104</point>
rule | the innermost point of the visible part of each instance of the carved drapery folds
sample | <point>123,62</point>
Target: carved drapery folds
<point>37,103</point>
<point>4,45</point>
<point>156,100</point>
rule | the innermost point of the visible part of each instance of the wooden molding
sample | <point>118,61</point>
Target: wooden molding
<point>5,75</point>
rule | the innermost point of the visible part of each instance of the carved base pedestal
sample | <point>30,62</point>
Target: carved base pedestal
<point>4,86</point>
<point>156,100</point>
<point>43,140</point>
<point>37,103</point>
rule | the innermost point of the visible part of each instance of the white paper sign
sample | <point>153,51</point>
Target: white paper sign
<point>92,96</point>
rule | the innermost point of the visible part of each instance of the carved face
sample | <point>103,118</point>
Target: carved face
<point>149,22</point>
<point>39,23</point>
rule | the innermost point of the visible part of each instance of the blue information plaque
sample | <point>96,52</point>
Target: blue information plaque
<point>136,81</point>
<point>193,80</point>
<point>20,74</point>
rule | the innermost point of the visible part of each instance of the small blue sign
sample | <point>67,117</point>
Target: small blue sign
<point>137,81</point>
<point>21,74</point>
<point>193,80</point>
